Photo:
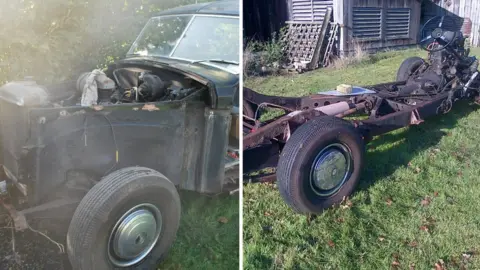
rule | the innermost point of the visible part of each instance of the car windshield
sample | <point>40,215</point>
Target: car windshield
<point>197,38</point>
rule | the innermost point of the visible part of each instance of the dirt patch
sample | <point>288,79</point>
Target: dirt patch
<point>32,251</point>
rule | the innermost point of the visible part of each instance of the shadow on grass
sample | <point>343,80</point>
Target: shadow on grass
<point>406,144</point>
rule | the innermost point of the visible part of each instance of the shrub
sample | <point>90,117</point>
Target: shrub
<point>358,55</point>
<point>53,40</point>
<point>264,57</point>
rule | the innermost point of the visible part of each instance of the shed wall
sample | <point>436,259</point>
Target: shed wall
<point>263,18</point>
<point>377,24</point>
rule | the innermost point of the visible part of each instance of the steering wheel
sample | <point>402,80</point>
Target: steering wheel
<point>437,35</point>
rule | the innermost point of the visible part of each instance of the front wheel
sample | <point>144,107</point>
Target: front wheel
<point>128,220</point>
<point>408,68</point>
<point>320,164</point>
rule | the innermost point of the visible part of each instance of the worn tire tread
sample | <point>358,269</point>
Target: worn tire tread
<point>404,69</point>
<point>79,231</point>
<point>303,135</point>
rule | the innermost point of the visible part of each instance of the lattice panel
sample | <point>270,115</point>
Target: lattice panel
<point>302,40</point>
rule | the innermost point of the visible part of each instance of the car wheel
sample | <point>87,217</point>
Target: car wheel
<point>408,67</point>
<point>128,220</point>
<point>320,164</point>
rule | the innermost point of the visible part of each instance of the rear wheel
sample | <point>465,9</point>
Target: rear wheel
<point>408,68</point>
<point>128,220</point>
<point>320,164</point>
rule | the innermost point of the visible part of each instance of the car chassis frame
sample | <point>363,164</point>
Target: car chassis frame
<point>263,141</point>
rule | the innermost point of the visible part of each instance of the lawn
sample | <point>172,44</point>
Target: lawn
<point>415,208</point>
<point>207,239</point>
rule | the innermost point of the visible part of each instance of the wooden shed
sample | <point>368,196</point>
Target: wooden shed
<point>372,25</point>
<point>375,24</point>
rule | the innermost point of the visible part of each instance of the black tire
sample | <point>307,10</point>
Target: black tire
<point>408,67</point>
<point>98,212</point>
<point>299,154</point>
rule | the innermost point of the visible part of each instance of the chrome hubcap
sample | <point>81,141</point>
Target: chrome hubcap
<point>134,235</point>
<point>330,169</point>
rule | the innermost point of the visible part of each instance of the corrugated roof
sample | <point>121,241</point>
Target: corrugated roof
<point>226,7</point>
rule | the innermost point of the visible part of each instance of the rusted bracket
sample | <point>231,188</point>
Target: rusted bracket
<point>19,220</point>
<point>50,210</point>
<point>277,127</point>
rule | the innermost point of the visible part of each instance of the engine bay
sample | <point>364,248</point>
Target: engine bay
<point>130,85</point>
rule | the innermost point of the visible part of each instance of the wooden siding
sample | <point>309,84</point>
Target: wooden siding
<point>396,30</point>
<point>263,18</point>
<point>462,8</point>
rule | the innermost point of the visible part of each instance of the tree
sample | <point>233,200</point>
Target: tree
<point>54,40</point>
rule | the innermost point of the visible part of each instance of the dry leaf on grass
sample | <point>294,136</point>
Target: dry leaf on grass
<point>413,244</point>
<point>223,220</point>
<point>424,228</point>
<point>426,201</point>
<point>440,265</point>
<point>381,238</point>
<point>331,243</point>
<point>435,194</point>
<point>412,266</point>
<point>396,262</point>
<point>389,201</point>
<point>346,204</point>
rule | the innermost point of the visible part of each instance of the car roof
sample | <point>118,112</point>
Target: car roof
<point>225,7</point>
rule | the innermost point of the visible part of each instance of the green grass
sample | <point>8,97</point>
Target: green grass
<point>209,234</point>
<point>385,221</point>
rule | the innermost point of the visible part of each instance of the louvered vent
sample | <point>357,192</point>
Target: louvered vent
<point>309,10</point>
<point>398,23</point>
<point>367,23</point>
